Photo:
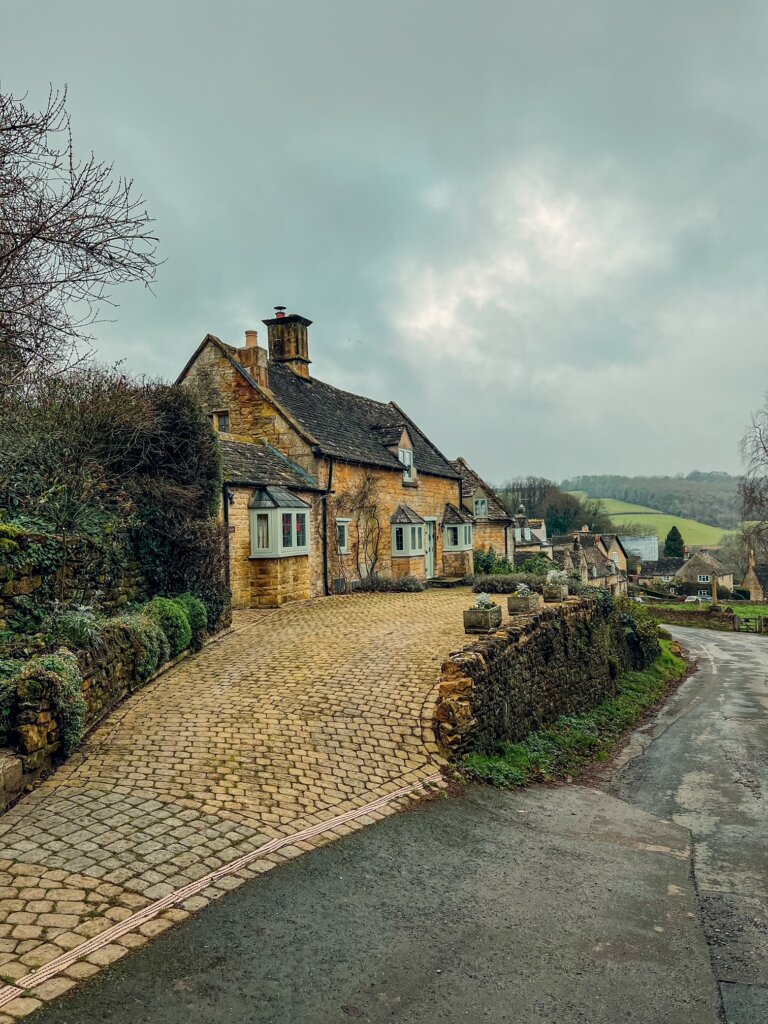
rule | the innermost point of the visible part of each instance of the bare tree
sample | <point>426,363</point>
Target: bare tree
<point>69,231</point>
<point>754,484</point>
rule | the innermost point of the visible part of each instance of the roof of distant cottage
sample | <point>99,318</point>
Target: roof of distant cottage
<point>245,463</point>
<point>471,481</point>
<point>662,567</point>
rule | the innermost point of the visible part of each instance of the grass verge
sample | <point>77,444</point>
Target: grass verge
<point>559,750</point>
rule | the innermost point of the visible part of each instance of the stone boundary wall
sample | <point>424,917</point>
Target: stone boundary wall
<point>560,660</point>
<point>698,619</point>
<point>109,676</point>
<point>31,581</point>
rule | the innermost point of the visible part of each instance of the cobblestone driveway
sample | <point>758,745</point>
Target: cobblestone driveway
<point>294,717</point>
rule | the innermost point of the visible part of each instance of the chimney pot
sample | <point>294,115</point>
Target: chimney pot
<point>279,312</point>
<point>251,339</point>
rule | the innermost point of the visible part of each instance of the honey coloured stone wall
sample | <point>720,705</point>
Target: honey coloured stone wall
<point>252,416</point>
<point>560,660</point>
<point>278,581</point>
<point>491,535</point>
<point>384,489</point>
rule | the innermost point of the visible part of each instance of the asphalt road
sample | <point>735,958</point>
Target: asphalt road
<point>566,904</point>
<point>706,768</point>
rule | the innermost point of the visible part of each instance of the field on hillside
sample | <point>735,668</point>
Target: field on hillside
<point>694,533</point>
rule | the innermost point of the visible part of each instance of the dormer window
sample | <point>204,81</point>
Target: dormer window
<point>405,455</point>
<point>481,508</point>
<point>703,578</point>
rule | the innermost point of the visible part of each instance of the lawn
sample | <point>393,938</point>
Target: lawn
<point>694,533</point>
<point>744,611</point>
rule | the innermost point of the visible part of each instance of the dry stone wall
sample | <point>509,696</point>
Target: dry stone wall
<point>561,660</point>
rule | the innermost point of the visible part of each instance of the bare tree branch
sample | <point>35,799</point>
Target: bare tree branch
<point>69,231</point>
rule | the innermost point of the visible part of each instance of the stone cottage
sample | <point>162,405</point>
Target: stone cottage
<point>322,487</point>
<point>598,559</point>
<point>492,523</point>
<point>756,579</point>
<point>693,576</point>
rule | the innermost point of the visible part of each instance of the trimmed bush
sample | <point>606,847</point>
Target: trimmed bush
<point>390,585</point>
<point>173,621</point>
<point>508,583</point>
<point>148,641</point>
<point>197,614</point>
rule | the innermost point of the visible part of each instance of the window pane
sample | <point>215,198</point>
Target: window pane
<point>287,530</point>
<point>223,418</point>
<point>341,535</point>
<point>301,529</point>
<point>399,539</point>
<point>262,531</point>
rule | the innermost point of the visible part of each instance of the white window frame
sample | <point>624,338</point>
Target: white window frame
<point>405,456</point>
<point>464,537</point>
<point>480,506</point>
<point>343,548</point>
<point>615,556</point>
<point>413,538</point>
<point>704,593</point>
<point>276,548</point>
<point>703,578</point>
<point>665,579</point>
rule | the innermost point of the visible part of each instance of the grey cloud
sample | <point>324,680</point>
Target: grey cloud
<point>367,165</point>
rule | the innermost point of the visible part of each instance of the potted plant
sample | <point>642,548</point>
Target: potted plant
<point>523,601</point>
<point>556,586</point>
<point>484,617</point>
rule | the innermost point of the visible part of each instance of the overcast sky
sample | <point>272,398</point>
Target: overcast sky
<point>541,228</point>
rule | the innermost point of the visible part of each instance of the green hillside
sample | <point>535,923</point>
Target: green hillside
<point>694,533</point>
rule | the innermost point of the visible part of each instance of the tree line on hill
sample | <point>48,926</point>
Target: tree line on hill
<point>709,497</point>
<point>544,499</point>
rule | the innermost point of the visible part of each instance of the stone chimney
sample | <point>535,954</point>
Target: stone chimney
<point>254,359</point>
<point>288,342</point>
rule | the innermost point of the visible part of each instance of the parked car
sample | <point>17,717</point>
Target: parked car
<point>695,599</point>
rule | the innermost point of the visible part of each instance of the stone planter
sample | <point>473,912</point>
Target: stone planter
<point>482,620</point>
<point>555,593</point>
<point>523,605</point>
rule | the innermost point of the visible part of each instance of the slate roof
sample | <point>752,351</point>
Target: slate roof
<point>585,539</point>
<point>455,516</point>
<point>470,481</point>
<point>405,514</point>
<point>343,425</point>
<point>598,566</point>
<point>761,571</point>
<point>351,427</point>
<point>245,463</point>
<point>662,567</point>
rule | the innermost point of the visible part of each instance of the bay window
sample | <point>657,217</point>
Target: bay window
<point>458,537</point>
<point>279,523</point>
<point>407,540</point>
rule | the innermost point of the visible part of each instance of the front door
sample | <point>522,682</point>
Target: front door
<point>430,548</point>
